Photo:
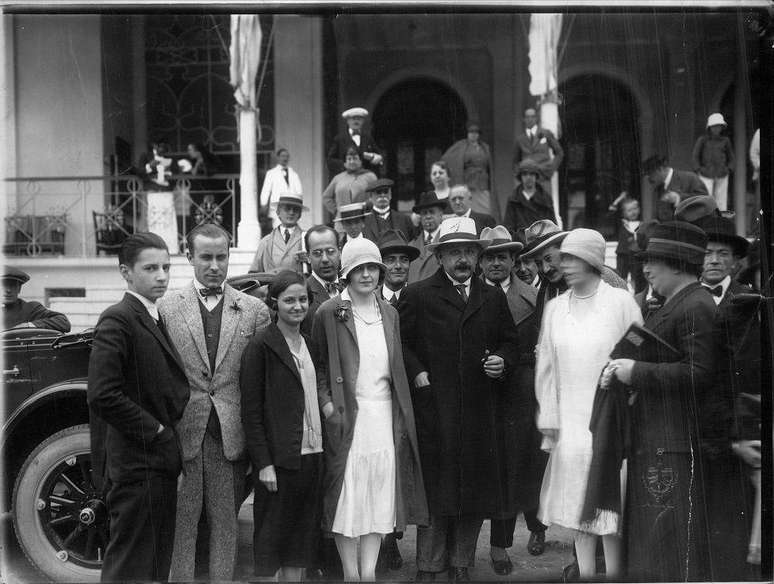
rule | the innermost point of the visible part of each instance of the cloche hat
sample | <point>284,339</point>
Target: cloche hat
<point>357,252</point>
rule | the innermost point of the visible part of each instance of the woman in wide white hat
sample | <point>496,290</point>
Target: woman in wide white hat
<point>373,481</point>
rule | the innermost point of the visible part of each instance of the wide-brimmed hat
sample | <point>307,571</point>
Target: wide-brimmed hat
<point>540,235</point>
<point>354,111</point>
<point>248,282</point>
<point>676,240</point>
<point>430,199</point>
<point>722,230</point>
<point>643,232</point>
<point>357,252</point>
<point>716,120</point>
<point>11,273</point>
<point>290,199</point>
<point>500,239</point>
<point>351,211</point>
<point>586,244</point>
<point>380,183</point>
<point>695,208</point>
<point>393,241</point>
<point>457,230</point>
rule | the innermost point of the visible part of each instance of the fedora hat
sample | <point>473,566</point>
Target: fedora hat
<point>248,282</point>
<point>379,184</point>
<point>457,230</point>
<point>351,211</point>
<point>676,240</point>
<point>722,230</point>
<point>530,166</point>
<point>540,235</point>
<point>500,239</point>
<point>695,208</point>
<point>290,199</point>
<point>430,199</point>
<point>643,232</point>
<point>11,273</point>
<point>393,241</point>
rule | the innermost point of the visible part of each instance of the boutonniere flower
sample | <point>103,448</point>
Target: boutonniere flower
<point>235,306</point>
<point>343,311</point>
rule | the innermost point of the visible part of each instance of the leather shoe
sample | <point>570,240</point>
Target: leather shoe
<point>502,567</point>
<point>423,576</point>
<point>459,575</point>
<point>537,543</point>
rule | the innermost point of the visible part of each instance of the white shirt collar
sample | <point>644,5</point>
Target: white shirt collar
<point>724,284</point>
<point>466,213</point>
<point>151,307</point>
<point>324,283</point>
<point>432,233</point>
<point>668,178</point>
<point>506,284</point>
<point>466,283</point>
<point>211,301</point>
<point>383,215</point>
<point>387,294</point>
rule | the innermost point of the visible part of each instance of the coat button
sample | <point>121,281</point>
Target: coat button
<point>339,380</point>
<point>204,374</point>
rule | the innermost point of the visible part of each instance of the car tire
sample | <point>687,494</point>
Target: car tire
<point>59,518</point>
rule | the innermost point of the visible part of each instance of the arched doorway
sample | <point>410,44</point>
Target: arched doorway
<point>415,122</point>
<point>600,136</point>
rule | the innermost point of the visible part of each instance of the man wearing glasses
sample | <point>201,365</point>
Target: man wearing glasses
<point>324,257</point>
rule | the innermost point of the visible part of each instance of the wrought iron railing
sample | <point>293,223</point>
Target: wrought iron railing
<point>91,215</point>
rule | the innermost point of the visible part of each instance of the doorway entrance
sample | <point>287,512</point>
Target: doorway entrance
<point>600,120</point>
<point>415,122</point>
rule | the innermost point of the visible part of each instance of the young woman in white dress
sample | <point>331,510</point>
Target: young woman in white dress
<point>579,330</point>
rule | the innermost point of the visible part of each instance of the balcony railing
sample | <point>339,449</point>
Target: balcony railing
<point>91,215</point>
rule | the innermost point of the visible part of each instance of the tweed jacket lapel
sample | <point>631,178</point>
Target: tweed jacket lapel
<point>279,245</point>
<point>229,322</point>
<point>521,300</point>
<point>189,311</point>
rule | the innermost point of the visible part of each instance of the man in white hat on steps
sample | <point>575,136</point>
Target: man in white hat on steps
<point>354,136</point>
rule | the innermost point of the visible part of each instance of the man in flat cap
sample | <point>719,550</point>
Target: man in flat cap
<point>537,144</point>
<point>382,218</point>
<point>18,313</point>
<point>459,362</point>
<point>354,136</point>
<point>529,202</point>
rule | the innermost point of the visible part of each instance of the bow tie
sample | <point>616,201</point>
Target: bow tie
<point>210,291</point>
<point>715,290</point>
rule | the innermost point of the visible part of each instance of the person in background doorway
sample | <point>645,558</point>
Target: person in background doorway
<point>355,136</point>
<point>278,181</point>
<point>529,202</point>
<point>537,144</point>
<point>626,213</point>
<point>470,163</point>
<point>713,159</point>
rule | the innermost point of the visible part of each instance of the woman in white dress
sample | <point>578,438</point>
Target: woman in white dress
<point>579,330</point>
<point>369,423</point>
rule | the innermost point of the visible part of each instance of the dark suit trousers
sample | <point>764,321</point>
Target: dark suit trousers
<point>450,541</point>
<point>142,529</point>
<point>501,534</point>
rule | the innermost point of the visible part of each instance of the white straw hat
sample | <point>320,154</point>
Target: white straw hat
<point>357,252</point>
<point>457,230</point>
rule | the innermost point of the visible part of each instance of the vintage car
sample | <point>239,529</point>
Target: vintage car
<point>59,516</point>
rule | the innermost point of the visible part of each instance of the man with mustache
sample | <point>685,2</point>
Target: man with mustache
<point>460,346</point>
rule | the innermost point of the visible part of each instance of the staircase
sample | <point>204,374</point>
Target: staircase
<point>84,311</point>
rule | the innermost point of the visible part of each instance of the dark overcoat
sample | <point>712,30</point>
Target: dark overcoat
<point>523,462</point>
<point>686,184</point>
<point>456,414</point>
<point>665,520</point>
<point>337,362</point>
<point>342,142</point>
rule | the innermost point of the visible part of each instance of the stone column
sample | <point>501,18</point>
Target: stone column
<point>249,230</point>
<point>298,104</point>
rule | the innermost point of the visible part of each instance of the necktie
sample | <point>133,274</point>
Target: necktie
<point>287,235</point>
<point>715,290</point>
<point>205,292</point>
<point>285,176</point>
<point>428,239</point>
<point>394,300</point>
<point>355,132</point>
<point>461,289</point>
<point>331,287</point>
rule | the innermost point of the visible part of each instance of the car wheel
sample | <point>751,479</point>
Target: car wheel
<point>59,517</point>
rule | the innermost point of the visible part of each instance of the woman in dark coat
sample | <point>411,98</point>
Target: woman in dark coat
<point>282,427</point>
<point>356,401</point>
<point>665,531</point>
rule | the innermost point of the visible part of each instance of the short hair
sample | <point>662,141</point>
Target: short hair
<point>352,151</point>
<point>281,150</point>
<point>460,187</point>
<point>320,229</point>
<point>282,281</point>
<point>135,243</point>
<point>210,230</point>
<point>441,164</point>
<point>654,163</point>
<point>627,200</point>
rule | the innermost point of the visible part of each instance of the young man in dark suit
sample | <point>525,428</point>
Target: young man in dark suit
<point>325,260</point>
<point>137,393</point>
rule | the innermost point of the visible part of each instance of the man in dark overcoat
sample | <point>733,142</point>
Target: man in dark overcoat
<point>460,345</point>
<point>354,137</point>
<point>523,462</point>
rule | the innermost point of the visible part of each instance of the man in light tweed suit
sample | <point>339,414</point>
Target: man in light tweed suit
<point>210,324</point>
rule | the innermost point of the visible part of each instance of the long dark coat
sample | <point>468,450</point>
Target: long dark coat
<point>337,363</point>
<point>456,414</point>
<point>665,528</point>
<point>523,462</point>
